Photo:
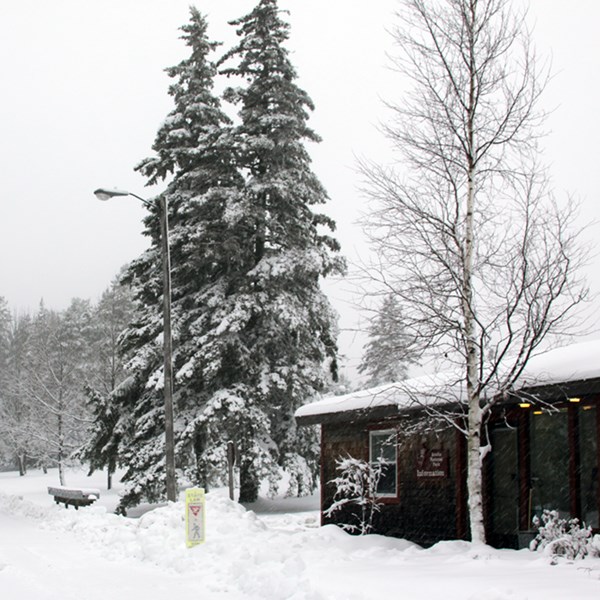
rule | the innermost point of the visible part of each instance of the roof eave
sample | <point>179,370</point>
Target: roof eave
<point>556,392</point>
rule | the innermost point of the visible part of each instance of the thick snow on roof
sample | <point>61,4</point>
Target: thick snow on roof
<point>400,394</point>
<point>576,362</point>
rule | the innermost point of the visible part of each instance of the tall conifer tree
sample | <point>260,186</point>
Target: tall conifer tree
<point>387,355</point>
<point>288,324</point>
<point>252,330</point>
<point>193,146</point>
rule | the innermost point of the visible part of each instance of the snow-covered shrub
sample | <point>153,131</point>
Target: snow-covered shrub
<point>563,537</point>
<point>356,486</point>
<point>595,546</point>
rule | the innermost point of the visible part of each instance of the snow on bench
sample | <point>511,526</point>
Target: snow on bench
<point>74,496</point>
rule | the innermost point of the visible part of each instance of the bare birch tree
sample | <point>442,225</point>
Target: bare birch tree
<point>112,315</point>
<point>15,410</point>
<point>56,363</point>
<point>469,238</point>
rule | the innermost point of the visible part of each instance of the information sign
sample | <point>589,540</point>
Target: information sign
<point>194,516</point>
<point>432,464</point>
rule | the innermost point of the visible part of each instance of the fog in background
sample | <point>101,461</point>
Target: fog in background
<point>84,91</point>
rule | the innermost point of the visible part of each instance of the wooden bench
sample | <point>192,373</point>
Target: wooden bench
<point>74,496</point>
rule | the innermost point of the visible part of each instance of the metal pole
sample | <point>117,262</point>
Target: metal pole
<point>106,194</point>
<point>168,353</point>
<point>230,464</point>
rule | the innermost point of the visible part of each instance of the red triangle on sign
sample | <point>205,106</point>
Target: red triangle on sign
<point>195,510</point>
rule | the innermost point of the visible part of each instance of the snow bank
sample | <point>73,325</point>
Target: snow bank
<point>242,555</point>
<point>277,556</point>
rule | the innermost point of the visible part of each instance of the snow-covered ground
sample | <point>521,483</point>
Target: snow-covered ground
<point>273,552</point>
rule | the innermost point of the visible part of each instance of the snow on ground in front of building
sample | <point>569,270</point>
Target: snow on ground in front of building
<point>274,552</point>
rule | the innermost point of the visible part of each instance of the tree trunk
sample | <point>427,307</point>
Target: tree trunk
<point>474,472</point>
<point>61,472</point>
<point>22,460</point>
<point>230,465</point>
<point>248,480</point>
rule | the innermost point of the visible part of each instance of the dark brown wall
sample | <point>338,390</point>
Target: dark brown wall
<point>425,510</point>
<point>430,510</point>
<point>337,441</point>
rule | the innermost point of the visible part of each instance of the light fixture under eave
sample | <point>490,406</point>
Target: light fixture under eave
<point>574,400</point>
<point>524,404</point>
<point>538,412</point>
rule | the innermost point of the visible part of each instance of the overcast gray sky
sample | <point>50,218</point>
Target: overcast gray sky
<point>84,91</point>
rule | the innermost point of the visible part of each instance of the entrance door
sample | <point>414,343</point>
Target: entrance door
<point>504,488</point>
<point>549,451</point>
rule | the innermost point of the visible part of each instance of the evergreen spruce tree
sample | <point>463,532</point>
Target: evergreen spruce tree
<point>194,147</point>
<point>284,324</point>
<point>251,329</point>
<point>387,353</point>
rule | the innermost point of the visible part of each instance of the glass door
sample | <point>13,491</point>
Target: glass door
<point>504,483</point>
<point>550,463</point>
<point>589,465</point>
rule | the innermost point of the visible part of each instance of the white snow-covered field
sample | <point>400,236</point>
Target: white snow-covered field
<point>274,552</point>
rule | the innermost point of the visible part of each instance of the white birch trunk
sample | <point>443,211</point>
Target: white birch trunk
<point>474,472</point>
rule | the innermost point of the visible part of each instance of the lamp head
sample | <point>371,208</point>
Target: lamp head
<point>106,194</point>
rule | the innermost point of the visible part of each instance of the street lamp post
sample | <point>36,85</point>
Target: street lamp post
<point>106,194</point>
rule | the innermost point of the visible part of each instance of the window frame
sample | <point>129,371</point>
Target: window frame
<point>387,432</point>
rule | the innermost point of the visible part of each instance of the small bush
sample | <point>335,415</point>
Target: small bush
<point>356,487</point>
<point>563,537</point>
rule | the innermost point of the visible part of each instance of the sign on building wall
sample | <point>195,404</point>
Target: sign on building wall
<point>432,463</point>
<point>194,516</point>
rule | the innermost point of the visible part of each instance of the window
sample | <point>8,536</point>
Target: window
<point>383,453</point>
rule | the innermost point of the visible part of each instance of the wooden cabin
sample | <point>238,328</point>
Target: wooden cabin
<point>544,439</point>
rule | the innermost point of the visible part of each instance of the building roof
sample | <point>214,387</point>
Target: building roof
<point>570,367</point>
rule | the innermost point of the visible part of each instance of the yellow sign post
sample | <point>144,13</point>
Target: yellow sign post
<point>194,516</point>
